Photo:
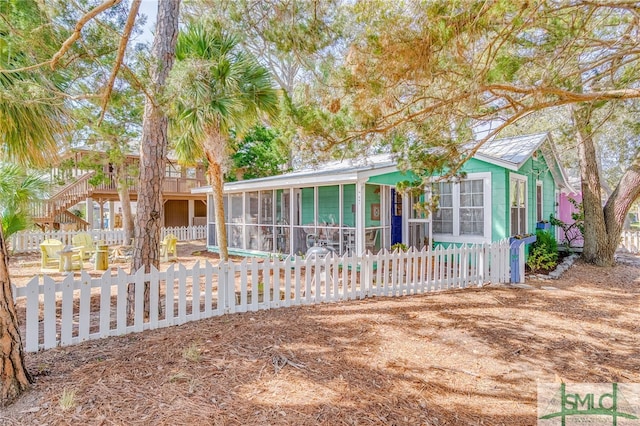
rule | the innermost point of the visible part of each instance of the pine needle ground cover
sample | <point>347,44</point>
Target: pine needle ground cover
<point>471,356</point>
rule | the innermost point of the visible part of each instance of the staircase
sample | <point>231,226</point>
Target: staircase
<point>46,213</point>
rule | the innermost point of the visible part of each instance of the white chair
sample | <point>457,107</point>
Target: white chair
<point>312,240</point>
<point>370,238</point>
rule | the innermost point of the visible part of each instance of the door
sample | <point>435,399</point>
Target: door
<point>396,217</point>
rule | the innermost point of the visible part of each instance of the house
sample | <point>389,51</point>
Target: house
<point>72,189</point>
<point>568,205</point>
<point>352,206</point>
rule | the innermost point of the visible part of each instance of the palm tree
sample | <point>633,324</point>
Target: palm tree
<point>216,88</point>
<point>27,130</point>
<point>28,126</point>
<point>30,120</point>
<point>18,189</point>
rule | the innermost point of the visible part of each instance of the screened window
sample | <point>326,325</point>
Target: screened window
<point>266,207</point>
<point>236,207</point>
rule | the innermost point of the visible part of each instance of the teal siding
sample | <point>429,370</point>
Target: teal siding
<point>371,197</point>
<point>536,169</point>
<point>499,195</point>
<point>392,178</point>
<point>307,201</point>
<point>328,204</point>
<point>349,206</point>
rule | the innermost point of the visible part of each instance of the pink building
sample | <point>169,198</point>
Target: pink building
<point>565,210</point>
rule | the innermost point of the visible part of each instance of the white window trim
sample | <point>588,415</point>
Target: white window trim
<point>517,176</point>
<point>456,237</point>
<point>541,186</point>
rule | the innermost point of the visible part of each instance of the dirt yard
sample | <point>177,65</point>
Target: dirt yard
<point>25,266</point>
<point>463,357</point>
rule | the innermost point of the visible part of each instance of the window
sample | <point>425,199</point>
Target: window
<point>416,204</point>
<point>397,204</point>
<point>471,207</point>
<point>266,207</point>
<point>443,216</point>
<point>462,207</point>
<point>539,211</point>
<point>190,172</point>
<point>172,170</point>
<point>518,204</point>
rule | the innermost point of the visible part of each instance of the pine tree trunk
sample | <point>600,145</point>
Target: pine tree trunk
<point>595,232</point>
<point>618,206</point>
<point>14,376</point>
<point>602,225</point>
<point>153,148</point>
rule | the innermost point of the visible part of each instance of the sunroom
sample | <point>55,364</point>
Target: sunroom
<point>343,206</point>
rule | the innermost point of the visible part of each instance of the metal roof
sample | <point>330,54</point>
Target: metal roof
<point>515,150</point>
<point>340,171</point>
<point>511,153</point>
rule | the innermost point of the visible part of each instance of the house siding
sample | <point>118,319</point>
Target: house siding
<point>349,206</point>
<point>499,195</point>
<point>536,169</point>
<point>319,200</point>
<point>370,197</point>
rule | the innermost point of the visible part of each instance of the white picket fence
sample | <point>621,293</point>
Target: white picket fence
<point>29,241</point>
<point>79,309</point>
<point>630,241</point>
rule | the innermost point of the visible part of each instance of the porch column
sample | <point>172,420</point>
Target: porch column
<point>112,215</point>
<point>406,206</point>
<point>360,210</point>
<point>293,219</point>
<point>89,212</point>
<point>191,211</point>
<point>101,203</point>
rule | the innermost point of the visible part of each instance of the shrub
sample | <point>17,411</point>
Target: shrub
<point>399,247</point>
<point>573,231</point>
<point>544,252</point>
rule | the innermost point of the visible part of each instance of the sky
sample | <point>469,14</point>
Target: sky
<point>149,8</point>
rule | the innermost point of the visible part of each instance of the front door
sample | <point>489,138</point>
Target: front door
<point>396,217</point>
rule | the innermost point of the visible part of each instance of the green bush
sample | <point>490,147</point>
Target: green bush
<point>543,255</point>
<point>399,247</point>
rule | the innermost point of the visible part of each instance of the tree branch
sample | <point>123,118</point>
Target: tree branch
<point>124,40</point>
<point>78,28</point>
<point>567,95</point>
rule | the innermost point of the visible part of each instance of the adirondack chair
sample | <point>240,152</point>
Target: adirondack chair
<point>168,247</point>
<point>84,242</point>
<point>124,251</point>
<point>51,256</point>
